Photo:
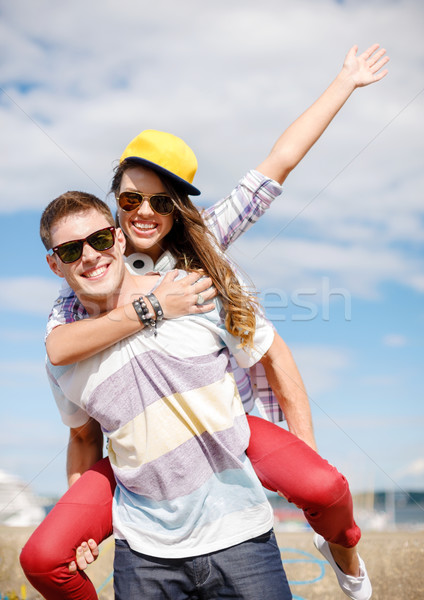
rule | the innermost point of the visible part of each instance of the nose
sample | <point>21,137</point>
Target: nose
<point>89,253</point>
<point>145,210</point>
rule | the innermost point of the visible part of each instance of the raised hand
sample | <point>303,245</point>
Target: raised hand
<point>366,68</point>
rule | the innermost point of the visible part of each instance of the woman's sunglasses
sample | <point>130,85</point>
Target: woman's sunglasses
<point>160,203</point>
<point>100,240</point>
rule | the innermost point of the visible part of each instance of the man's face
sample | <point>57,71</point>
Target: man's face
<point>96,275</point>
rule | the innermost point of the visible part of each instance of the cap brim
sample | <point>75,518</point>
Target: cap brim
<point>178,181</point>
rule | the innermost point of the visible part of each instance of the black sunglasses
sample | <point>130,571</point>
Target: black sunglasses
<point>100,240</point>
<point>160,203</point>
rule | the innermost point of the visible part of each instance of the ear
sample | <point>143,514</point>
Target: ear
<point>121,240</point>
<point>52,262</point>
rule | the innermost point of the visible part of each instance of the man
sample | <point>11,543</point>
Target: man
<point>187,500</point>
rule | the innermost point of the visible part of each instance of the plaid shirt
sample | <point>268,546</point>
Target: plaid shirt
<point>227,219</point>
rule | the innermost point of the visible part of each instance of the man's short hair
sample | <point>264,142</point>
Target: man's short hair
<point>70,203</point>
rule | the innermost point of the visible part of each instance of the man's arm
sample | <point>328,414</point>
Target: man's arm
<point>287,385</point>
<point>72,342</point>
<point>296,141</point>
<point>85,448</point>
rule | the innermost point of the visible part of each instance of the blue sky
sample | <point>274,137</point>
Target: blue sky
<point>339,258</point>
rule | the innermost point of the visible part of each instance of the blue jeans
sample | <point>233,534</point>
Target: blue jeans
<point>249,571</point>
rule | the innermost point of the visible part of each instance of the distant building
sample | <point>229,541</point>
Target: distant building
<point>19,507</point>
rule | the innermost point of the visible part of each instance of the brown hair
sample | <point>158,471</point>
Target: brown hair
<point>69,203</point>
<point>195,247</point>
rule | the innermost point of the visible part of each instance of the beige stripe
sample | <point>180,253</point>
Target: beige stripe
<point>173,420</point>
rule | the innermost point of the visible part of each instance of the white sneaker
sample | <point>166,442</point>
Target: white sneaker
<point>357,588</point>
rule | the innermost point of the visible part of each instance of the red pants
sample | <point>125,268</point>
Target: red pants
<point>282,462</point>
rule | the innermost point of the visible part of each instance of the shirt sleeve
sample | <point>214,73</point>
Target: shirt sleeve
<point>71,414</point>
<point>66,309</point>
<point>263,338</point>
<point>232,216</point>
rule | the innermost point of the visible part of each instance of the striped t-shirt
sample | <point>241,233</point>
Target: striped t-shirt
<point>177,434</point>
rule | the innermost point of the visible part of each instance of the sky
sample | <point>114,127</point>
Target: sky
<point>338,259</point>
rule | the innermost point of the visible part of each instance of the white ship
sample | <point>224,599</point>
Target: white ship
<point>19,507</point>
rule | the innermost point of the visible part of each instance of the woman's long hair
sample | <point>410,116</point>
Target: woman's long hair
<point>195,247</point>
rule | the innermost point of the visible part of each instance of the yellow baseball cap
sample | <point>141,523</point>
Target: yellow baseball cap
<point>166,154</point>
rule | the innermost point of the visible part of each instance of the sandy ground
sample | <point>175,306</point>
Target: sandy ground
<point>395,562</point>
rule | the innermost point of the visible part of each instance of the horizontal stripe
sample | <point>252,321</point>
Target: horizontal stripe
<point>184,338</point>
<point>231,530</point>
<point>228,509</point>
<point>170,422</point>
<point>147,378</point>
<point>188,467</point>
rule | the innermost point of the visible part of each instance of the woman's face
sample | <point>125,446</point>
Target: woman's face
<point>145,229</point>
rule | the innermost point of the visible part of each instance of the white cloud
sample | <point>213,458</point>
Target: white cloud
<point>299,264</point>
<point>373,422</point>
<point>395,340</point>
<point>377,382</point>
<point>416,467</point>
<point>21,336</point>
<point>228,92</point>
<point>31,295</point>
<point>38,454</point>
<point>321,367</point>
<point>22,374</point>
<point>368,449</point>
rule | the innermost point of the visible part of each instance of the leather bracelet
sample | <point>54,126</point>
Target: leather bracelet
<point>143,313</point>
<point>156,306</point>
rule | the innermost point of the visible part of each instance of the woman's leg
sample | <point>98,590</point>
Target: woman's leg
<point>84,512</point>
<point>287,465</point>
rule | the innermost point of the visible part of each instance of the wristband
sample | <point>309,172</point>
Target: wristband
<point>156,306</point>
<point>143,314</point>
